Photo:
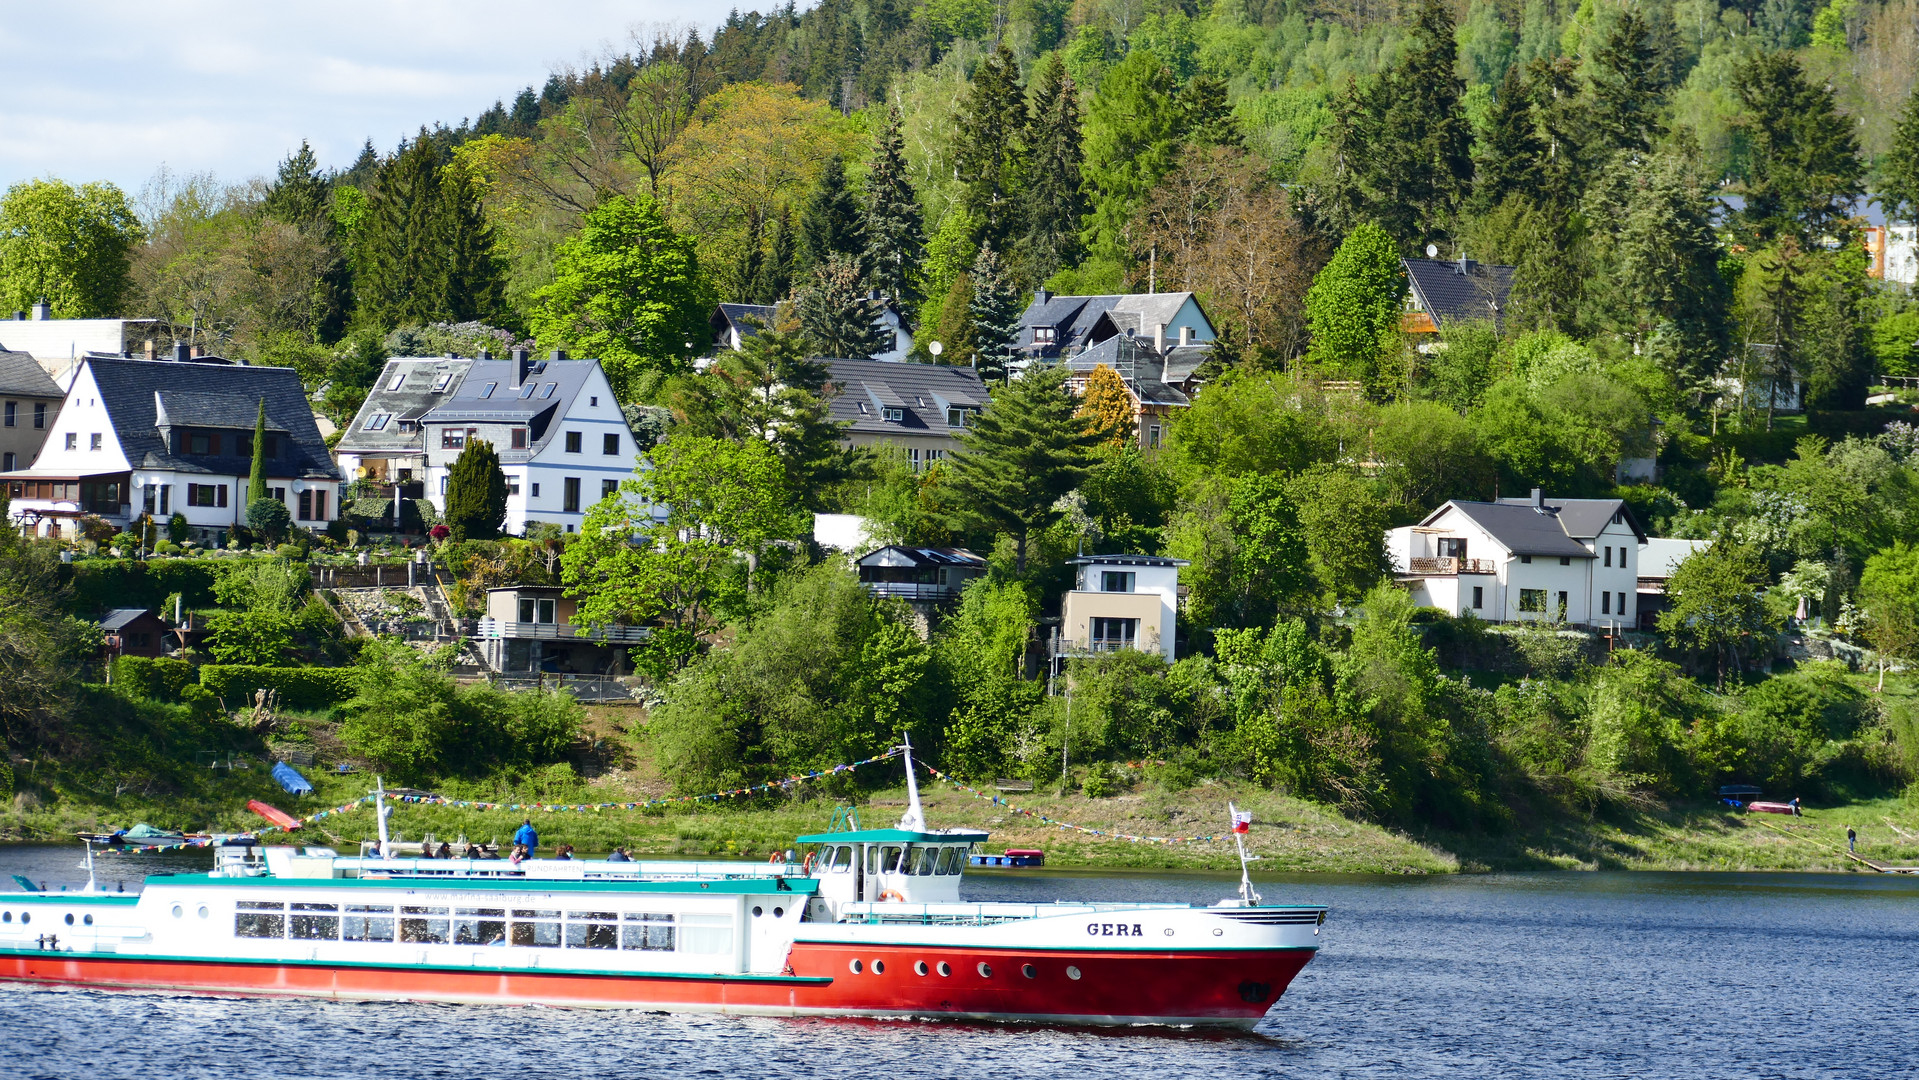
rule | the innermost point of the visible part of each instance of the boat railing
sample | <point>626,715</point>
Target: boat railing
<point>895,913</point>
<point>571,869</point>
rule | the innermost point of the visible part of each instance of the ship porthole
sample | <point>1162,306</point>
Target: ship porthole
<point>1217,932</point>
<point>1072,973</point>
<point>757,912</point>
<point>920,968</point>
<point>1169,931</point>
<point>69,918</point>
<point>856,967</point>
<point>6,916</point>
<point>88,920</point>
<point>985,971</point>
<point>203,911</point>
<point>777,912</point>
<point>1029,971</point>
<point>26,917</point>
<point>945,968</point>
<point>178,911</point>
<point>879,967</point>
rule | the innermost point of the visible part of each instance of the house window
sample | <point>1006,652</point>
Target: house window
<point>935,455</point>
<point>526,609</point>
<point>594,401</point>
<point>1452,547</point>
<point>892,415</point>
<point>1562,605</point>
<point>12,462</point>
<point>206,494</point>
<point>1043,335</point>
<point>547,390</point>
<point>527,390</point>
<point>1532,600</point>
<point>444,481</point>
<point>536,491</point>
<point>1565,560</point>
<point>573,442</point>
<point>319,504</point>
<point>1111,635</point>
<point>609,444</point>
<point>1116,581</point>
<point>13,408</point>
<point>512,485</point>
<point>376,422</point>
<point>862,406</point>
<point>1605,602</point>
<point>452,438</point>
<point>1527,559</point>
<point>398,380</point>
<point>1609,556</point>
<point>40,415</point>
<point>306,506</point>
<point>913,456</point>
<point>73,441</point>
<point>487,390</point>
<point>955,418</point>
<point>1152,437</point>
<point>1622,558</point>
<point>203,443</point>
<point>609,488</point>
<point>519,438</point>
<point>1479,597</point>
<point>440,381</point>
<point>1622,604</point>
<point>570,495</point>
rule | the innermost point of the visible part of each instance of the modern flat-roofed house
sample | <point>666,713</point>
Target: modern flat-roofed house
<point>920,408</point>
<point>531,628</point>
<point>172,437</point>
<point>385,442</point>
<point>918,574</point>
<point>29,402</point>
<point>1571,561</point>
<point>1121,602</point>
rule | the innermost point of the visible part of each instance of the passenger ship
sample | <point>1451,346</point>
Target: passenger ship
<point>870,923</point>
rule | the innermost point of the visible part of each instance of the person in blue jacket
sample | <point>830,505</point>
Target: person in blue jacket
<point>527,836</point>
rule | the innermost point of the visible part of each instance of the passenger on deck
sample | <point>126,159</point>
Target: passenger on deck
<point>474,851</point>
<point>526,837</point>
<point>565,852</point>
<point>446,850</point>
<point>519,852</point>
<point>619,855</point>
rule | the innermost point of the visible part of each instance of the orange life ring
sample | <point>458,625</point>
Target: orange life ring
<point>776,858</point>
<point>806,867</point>
<point>893,894</point>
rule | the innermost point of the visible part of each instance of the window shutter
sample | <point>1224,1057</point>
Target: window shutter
<point>223,494</point>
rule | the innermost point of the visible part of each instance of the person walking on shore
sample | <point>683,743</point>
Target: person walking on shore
<point>1852,839</point>
<point>527,837</point>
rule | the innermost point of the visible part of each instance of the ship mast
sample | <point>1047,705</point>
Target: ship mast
<point>914,820</point>
<point>380,812</point>
<point>1247,897</point>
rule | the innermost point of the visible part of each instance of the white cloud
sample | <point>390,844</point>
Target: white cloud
<point>110,89</point>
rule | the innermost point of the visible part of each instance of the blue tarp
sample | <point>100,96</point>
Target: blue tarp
<point>291,780</point>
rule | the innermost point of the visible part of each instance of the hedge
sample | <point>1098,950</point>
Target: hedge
<point>155,678</point>
<point>299,687</point>
<point>102,584</point>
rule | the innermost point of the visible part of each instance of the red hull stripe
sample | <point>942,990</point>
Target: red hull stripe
<point>1233,989</point>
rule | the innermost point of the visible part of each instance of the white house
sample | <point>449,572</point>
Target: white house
<point>1121,602</point>
<point>385,443</point>
<point>166,437</point>
<point>732,324</point>
<point>60,344</point>
<point>1525,560</point>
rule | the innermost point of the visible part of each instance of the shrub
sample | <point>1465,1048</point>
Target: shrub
<point>153,678</point>
<point>299,687</point>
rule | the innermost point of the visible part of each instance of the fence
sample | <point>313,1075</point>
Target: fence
<point>368,577</point>
<point>1447,564</point>
<point>602,689</point>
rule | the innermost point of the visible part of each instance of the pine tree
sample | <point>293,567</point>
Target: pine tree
<point>1054,201</point>
<point>1107,408</point>
<point>989,152</point>
<point>398,283</point>
<point>473,279</point>
<point>1804,170</point>
<point>299,195</point>
<point>1132,142</point>
<point>1899,188</point>
<point>1509,156</point>
<point>895,236</point>
<point>840,319</point>
<point>830,224</point>
<point>1630,80</point>
<point>475,493</point>
<point>1022,452</point>
<point>302,198</point>
<point>993,311</point>
<point>954,327</point>
<point>1206,117</point>
<point>775,280</point>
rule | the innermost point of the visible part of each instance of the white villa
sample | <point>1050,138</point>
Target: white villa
<point>1571,561</point>
<point>1121,602</point>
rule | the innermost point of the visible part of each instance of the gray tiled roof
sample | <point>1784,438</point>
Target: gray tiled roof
<point>410,402</point>
<point>1522,529</point>
<point>131,391</point>
<point>746,318</point>
<point>549,389</point>
<point>924,390</point>
<point>1071,317</point>
<point>21,374</point>
<point>1452,294</point>
<point>1183,361</point>
<point>1585,519</point>
<point>186,408</point>
<point>1141,368</point>
<point>900,555</point>
<point>116,618</point>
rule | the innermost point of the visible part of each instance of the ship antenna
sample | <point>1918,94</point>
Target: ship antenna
<point>914,820</point>
<point>1241,822</point>
<point>380,811</point>
<point>91,887</point>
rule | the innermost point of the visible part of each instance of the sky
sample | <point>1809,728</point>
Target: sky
<point>112,90</point>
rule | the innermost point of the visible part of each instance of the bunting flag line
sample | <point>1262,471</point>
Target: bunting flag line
<point>1035,815</point>
<point>787,784</point>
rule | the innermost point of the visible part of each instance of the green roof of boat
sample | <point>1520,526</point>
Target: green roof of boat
<point>895,836</point>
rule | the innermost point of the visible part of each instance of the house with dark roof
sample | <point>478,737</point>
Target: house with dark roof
<point>385,442</point>
<point>919,408</point>
<point>29,402</point>
<point>132,632</point>
<point>167,437</point>
<point>1156,343</point>
<point>58,345</point>
<point>1444,294</point>
<point>1572,561</point>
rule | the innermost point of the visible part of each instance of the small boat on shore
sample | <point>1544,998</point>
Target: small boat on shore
<point>869,923</point>
<point>1014,857</point>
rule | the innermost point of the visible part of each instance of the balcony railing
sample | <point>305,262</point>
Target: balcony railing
<point>1446,565</point>
<point>498,628</point>
<point>911,590</point>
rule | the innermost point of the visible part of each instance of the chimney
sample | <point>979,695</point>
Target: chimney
<point>1539,499</point>
<point>196,352</point>
<point>485,354</point>
<point>559,354</point>
<point>1041,295</point>
<point>1159,337</point>
<point>1185,335</point>
<point>19,316</point>
<point>42,311</point>
<point>152,351</point>
<point>181,354</point>
<point>519,367</point>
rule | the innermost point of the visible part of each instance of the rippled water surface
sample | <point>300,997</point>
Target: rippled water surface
<point>1539,975</point>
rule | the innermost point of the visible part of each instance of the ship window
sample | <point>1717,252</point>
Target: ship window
<point>920,968</point>
<point>535,935</point>
<point>884,860</point>
<point>592,930</point>
<point>651,931</point>
<point>1029,971</point>
<point>479,926</point>
<point>365,923</point>
<point>707,935</point>
<point>316,922</point>
<point>945,969</point>
<point>986,971</point>
<point>7,916</point>
<point>424,931</point>
<point>259,919</point>
<point>950,858</point>
<point>925,860</point>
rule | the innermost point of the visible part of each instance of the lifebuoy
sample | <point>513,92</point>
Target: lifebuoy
<point>893,894</point>
<point>806,867</point>
<point>776,858</point>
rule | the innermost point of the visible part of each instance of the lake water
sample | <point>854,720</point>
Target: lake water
<point>1534,975</point>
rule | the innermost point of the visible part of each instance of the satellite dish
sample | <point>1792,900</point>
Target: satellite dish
<point>936,348</point>
<point>1432,251</point>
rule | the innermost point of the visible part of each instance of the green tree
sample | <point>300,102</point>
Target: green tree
<point>1022,452</point>
<point>840,318</point>
<point>426,248</point>
<point>1344,520</point>
<point>626,289</point>
<point>1429,454</point>
<point>992,316</point>
<point>1672,302</point>
<point>981,653</point>
<point>1631,75</point>
<point>41,645</point>
<point>1508,161</point>
<point>769,391</point>
<point>475,493</point>
<point>775,279</point>
<point>895,235</point>
<point>1132,139</point>
<point>1716,607</point>
<point>989,149</point>
<point>1250,562</point>
<point>71,247</point>
<point>262,612</point>
<point>1054,196</point>
<point>257,477</point>
<point>401,715</point>
<point>1899,169</point>
<point>1889,591</point>
<point>301,197</point>
<point>1354,308</point>
<point>1803,170</point>
<point>830,222</point>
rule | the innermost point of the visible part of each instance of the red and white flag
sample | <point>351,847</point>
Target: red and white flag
<point>1242,820</point>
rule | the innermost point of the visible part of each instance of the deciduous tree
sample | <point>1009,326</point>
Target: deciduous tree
<point>68,246</point>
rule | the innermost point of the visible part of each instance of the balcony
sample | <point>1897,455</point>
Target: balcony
<point>911,590</point>
<point>1446,566</point>
<point>626,635</point>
